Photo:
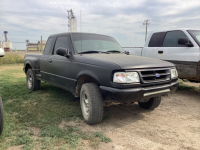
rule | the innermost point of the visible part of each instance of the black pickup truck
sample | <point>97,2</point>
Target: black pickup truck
<point>95,68</point>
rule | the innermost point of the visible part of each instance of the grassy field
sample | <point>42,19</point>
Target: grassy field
<point>15,57</point>
<point>27,112</point>
<point>11,58</point>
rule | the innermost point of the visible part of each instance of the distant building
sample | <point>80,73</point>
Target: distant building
<point>7,46</point>
<point>36,46</point>
<point>41,45</point>
<point>32,47</point>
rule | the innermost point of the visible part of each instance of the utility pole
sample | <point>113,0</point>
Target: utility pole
<point>27,41</point>
<point>41,44</point>
<point>146,23</point>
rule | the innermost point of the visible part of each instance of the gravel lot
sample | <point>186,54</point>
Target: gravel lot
<point>175,124</point>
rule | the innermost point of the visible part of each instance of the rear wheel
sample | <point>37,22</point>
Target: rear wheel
<point>32,83</point>
<point>151,103</point>
<point>1,116</point>
<point>91,103</point>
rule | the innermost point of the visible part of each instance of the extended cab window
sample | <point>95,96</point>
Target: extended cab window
<point>48,46</point>
<point>156,39</point>
<point>172,37</point>
<point>61,41</point>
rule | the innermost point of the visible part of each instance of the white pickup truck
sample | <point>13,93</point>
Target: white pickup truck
<point>181,47</point>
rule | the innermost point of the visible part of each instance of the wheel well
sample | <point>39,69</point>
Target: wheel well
<point>84,79</point>
<point>27,67</point>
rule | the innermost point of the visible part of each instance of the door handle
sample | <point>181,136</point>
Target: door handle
<point>160,52</point>
<point>50,61</point>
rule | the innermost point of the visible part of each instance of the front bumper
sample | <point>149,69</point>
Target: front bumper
<point>141,94</point>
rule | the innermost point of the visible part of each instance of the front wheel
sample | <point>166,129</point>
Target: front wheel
<point>32,83</point>
<point>1,116</point>
<point>91,103</point>
<point>151,103</point>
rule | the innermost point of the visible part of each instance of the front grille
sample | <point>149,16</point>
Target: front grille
<point>154,75</point>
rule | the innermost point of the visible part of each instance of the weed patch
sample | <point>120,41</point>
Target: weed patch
<point>102,137</point>
<point>53,131</point>
<point>183,86</point>
<point>21,138</point>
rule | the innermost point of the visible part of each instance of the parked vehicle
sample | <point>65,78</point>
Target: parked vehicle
<point>95,68</point>
<point>2,53</point>
<point>180,47</point>
<point>1,103</point>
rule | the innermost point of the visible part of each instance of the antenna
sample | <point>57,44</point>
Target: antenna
<point>80,32</point>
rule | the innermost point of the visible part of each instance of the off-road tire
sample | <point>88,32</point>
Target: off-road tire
<point>1,116</point>
<point>151,103</point>
<point>33,84</point>
<point>95,103</point>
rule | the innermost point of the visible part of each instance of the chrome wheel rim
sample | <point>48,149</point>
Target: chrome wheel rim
<point>85,105</point>
<point>29,80</point>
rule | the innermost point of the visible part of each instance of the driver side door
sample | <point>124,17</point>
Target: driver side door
<point>185,58</point>
<point>58,67</point>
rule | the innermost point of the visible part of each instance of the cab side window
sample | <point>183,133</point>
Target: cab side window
<point>172,37</point>
<point>157,39</point>
<point>61,41</point>
<point>48,46</point>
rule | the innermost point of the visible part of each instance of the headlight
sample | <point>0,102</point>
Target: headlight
<point>174,73</point>
<point>126,77</point>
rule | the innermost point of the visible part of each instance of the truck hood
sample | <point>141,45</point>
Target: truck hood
<point>130,61</point>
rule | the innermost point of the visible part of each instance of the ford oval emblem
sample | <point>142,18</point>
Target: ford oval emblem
<point>157,75</point>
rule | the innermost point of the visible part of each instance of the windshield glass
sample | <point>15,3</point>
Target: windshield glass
<point>196,35</point>
<point>93,42</point>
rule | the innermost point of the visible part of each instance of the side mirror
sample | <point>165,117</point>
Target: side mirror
<point>185,41</point>
<point>62,52</point>
<point>2,53</point>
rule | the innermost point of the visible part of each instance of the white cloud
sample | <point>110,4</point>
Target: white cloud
<point>120,19</point>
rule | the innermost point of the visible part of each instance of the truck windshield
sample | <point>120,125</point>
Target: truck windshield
<point>86,43</point>
<point>196,35</point>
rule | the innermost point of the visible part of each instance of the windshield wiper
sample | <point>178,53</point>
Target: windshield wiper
<point>114,51</point>
<point>87,52</point>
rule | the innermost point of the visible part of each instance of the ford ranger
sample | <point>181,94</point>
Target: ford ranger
<point>95,68</point>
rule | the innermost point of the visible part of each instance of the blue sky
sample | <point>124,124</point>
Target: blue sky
<point>29,19</point>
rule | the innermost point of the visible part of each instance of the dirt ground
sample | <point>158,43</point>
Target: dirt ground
<point>174,125</point>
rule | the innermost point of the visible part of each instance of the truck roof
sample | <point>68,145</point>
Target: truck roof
<point>182,29</point>
<point>68,33</point>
